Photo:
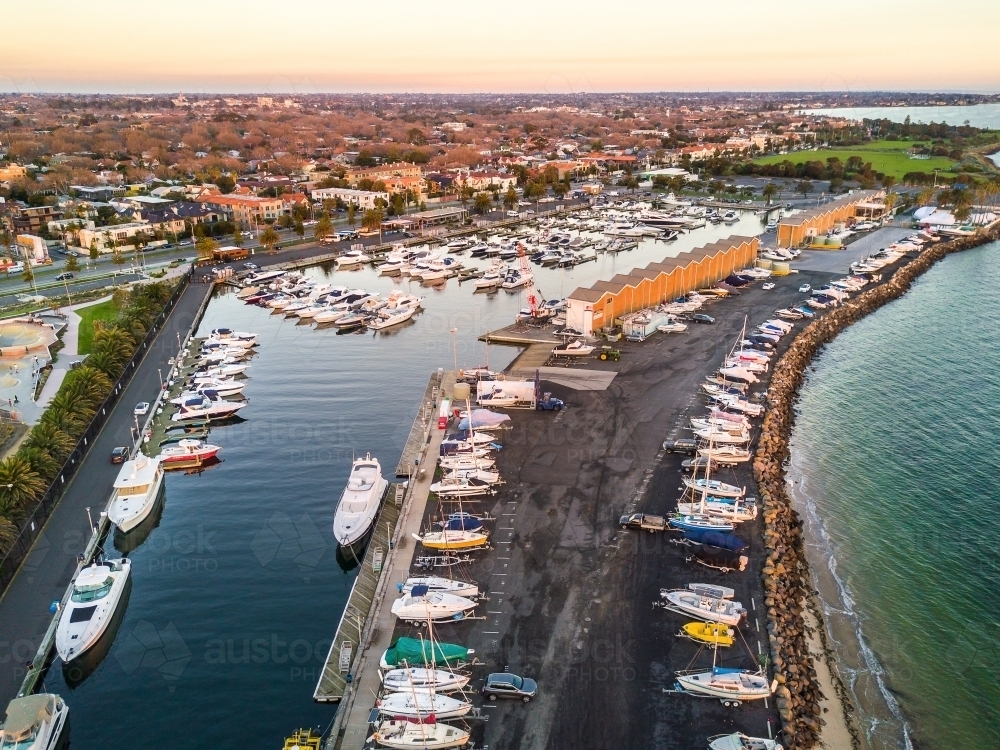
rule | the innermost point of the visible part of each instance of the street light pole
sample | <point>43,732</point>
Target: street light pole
<point>454,347</point>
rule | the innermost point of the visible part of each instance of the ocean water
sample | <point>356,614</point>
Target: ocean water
<point>237,591</point>
<point>895,465</point>
<point>977,115</point>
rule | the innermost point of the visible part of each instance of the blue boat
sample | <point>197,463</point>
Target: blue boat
<point>716,539</point>
<point>700,523</point>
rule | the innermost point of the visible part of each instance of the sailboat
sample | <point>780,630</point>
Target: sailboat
<point>714,486</point>
<point>731,685</point>
<point>453,539</point>
<point>422,705</point>
<point>404,734</point>
<point>423,679</point>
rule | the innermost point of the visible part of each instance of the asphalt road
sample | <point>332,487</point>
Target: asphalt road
<point>51,564</point>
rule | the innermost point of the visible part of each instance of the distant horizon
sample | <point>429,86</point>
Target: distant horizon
<point>521,47</point>
<point>609,92</point>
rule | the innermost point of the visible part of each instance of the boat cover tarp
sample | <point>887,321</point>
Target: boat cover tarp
<point>418,652</point>
<point>716,539</point>
<point>717,556</point>
<point>734,280</point>
<point>463,524</point>
<point>484,418</point>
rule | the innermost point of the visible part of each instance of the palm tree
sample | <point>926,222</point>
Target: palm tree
<point>352,213</point>
<point>19,485</point>
<point>510,198</point>
<point>50,440</point>
<point>888,182</point>
<point>269,238</point>
<point>41,462</point>
<point>482,203</point>
<point>770,190</point>
<point>926,196</point>
<point>8,534</point>
<point>323,228</point>
<point>206,247</point>
<point>372,219</point>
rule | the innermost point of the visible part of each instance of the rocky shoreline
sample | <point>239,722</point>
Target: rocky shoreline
<point>787,585</point>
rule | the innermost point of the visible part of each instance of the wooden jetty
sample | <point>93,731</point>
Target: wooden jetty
<point>422,422</point>
<point>347,643</point>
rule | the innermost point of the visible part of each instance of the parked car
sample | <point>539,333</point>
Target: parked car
<point>141,409</point>
<point>702,318</point>
<point>251,266</point>
<point>119,454</point>
<point>507,685</point>
<point>65,276</point>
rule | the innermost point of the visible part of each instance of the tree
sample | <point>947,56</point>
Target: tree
<point>323,228</point>
<point>352,213</point>
<point>6,239</point>
<point>238,237</point>
<point>510,198</point>
<point>770,190</point>
<point>94,252</point>
<point>466,194</point>
<point>804,186</point>
<point>398,204</point>
<point>72,264</point>
<point>29,274</point>
<point>19,485</point>
<point>205,247</point>
<point>482,203</point>
<point>51,440</point>
<point>372,219</point>
<point>300,229</point>
<point>888,181</point>
<point>269,238</point>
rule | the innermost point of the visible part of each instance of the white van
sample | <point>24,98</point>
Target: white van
<point>17,267</point>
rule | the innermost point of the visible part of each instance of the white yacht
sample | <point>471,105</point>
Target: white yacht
<point>97,592</point>
<point>352,258</point>
<point>34,722</point>
<point>387,318</point>
<point>421,605</point>
<point>136,488</point>
<point>221,387</point>
<point>422,679</point>
<point>208,405</point>
<point>360,502</point>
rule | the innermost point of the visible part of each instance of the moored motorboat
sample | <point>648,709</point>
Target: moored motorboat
<point>572,349</point>
<point>95,595</point>
<point>360,501</point>
<point>135,490</point>
<point>34,722</point>
<point>188,450</point>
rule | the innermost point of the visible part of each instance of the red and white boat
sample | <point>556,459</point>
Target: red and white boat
<point>188,450</point>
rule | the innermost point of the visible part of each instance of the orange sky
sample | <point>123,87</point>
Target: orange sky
<point>557,47</point>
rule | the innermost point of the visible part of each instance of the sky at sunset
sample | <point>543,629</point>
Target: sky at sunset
<point>303,46</point>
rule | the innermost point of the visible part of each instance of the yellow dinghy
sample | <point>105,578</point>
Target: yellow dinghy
<point>303,739</point>
<point>712,633</point>
<point>452,539</point>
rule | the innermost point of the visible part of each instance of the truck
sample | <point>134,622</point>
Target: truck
<point>643,521</point>
<point>227,254</point>
<point>548,403</point>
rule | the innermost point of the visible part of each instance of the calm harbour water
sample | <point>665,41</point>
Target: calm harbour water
<point>238,590</point>
<point>894,464</point>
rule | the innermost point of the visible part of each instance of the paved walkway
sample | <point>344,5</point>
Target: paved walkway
<point>67,357</point>
<point>48,569</point>
<point>839,261</point>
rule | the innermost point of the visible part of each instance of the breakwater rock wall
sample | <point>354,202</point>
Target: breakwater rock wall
<point>786,576</point>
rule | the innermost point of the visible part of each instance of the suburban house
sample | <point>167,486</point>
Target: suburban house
<point>363,199</point>
<point>245,209</point>
<point>382,172</point>
<point>106,239</point>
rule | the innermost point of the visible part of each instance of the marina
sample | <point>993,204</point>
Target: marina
<point>463,522</point>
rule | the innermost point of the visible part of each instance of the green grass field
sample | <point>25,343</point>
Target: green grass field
<point>105,311</point>
<point>888,157</point>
